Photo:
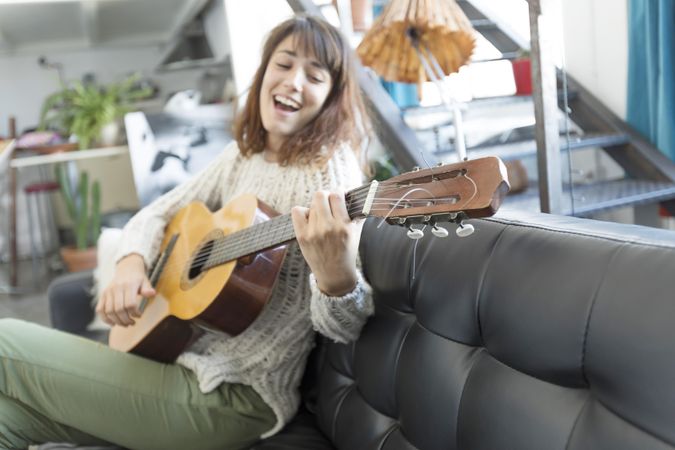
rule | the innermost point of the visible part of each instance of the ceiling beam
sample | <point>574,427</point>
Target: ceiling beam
<point>135,40</point>
<point>185,14</point>
<point>128,42</point>
<point>89,15</point>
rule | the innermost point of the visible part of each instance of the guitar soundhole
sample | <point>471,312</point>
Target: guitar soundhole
<point>200,260</point>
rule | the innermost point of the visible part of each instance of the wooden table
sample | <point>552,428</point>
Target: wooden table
<point>19,161</point>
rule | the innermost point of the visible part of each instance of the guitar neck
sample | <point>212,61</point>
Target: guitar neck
<point>450,192</point>
<point>271,233</point>
<point>262,236</point>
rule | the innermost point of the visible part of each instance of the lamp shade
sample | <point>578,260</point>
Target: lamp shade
<point>441,28</point>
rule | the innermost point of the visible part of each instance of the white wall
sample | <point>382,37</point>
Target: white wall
<point>24,85</point>
<point>596,48</point>
<point>248,23</point>
<point>592,34</point>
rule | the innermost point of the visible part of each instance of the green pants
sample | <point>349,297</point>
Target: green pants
<point>56,387</point>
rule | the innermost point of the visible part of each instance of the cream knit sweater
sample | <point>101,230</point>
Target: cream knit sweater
<point>271,354</point>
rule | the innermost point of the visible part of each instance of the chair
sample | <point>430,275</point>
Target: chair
<point>38,204</point>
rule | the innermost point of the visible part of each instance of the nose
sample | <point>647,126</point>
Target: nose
<point>296,79</point>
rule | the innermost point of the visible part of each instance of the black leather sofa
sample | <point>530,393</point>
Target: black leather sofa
<point>536,332</point>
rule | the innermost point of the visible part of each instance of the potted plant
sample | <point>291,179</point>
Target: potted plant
<point>83,204</point>
<point>85,110</point>
<point>522,73</point>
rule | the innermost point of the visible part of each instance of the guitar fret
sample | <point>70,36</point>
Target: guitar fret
<point>262,236</point>
<point>265,235</point>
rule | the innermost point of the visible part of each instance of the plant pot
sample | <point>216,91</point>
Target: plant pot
<point>78,260</point>
<point>110,134</point>
<point>522,75</point>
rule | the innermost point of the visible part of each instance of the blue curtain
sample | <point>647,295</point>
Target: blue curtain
<point>651,75</point>
<point>404,94</point>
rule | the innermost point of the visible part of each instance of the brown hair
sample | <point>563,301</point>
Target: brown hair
<point>342,118</point>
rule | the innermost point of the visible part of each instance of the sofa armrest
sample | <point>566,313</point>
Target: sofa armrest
<point>70,300</point>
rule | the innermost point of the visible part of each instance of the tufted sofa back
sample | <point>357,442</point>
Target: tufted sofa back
<point>537,332</point>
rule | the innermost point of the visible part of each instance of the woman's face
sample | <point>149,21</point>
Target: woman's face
<point>294,88</point>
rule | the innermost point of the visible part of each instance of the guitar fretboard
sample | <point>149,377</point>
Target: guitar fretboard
<point>271,233</point>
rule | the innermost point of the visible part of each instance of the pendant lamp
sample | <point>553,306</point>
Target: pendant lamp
<point>413,41</point>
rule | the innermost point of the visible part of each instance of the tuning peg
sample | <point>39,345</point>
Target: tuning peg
<point>415,233</point>
<point>464,229</point>
<point>439,231</point>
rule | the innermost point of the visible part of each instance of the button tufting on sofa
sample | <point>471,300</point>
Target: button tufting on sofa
<point>536,332</point>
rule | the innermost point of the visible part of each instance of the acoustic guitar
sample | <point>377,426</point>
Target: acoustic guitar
<point>216,270</point>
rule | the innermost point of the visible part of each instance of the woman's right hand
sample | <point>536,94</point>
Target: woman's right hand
<point>119,304</point>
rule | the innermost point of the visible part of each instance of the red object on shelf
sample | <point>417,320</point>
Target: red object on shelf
<point>522,75</point>
<point>49,149</point>
<point>46,186</point>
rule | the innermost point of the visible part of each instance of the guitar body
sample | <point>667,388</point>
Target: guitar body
<point>226,298</point>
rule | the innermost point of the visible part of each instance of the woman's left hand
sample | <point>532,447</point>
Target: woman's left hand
<point>329,242</point>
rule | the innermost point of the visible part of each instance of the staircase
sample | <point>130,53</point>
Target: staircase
<point>648,175</point>
<point>505,126</point>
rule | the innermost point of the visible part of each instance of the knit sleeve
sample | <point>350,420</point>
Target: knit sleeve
<point>341,318</point>
<point>143,233</point>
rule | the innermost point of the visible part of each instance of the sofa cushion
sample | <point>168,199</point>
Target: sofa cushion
<point>536,332</point>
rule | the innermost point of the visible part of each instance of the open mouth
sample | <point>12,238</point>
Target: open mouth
<point>286,104</point>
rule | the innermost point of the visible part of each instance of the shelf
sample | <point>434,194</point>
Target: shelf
<point>76,155</point>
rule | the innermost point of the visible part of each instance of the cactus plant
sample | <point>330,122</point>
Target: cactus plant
<point>86,217</point>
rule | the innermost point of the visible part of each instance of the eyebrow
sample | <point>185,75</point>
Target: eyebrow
<point>313,62</point>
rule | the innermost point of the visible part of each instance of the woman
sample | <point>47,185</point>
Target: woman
<point>294,141</point>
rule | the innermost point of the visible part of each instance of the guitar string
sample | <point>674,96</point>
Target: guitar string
<point>238,248</point>
<point>248,236</point>
<point>247,232</point>
<point>398,202</point>
<point>353,209</point>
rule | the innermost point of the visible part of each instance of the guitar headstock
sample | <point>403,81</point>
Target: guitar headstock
<point>466,189</point>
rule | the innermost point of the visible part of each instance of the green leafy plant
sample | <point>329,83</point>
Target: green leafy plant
<point>84,109</point>
<point>383,168</point>
<point>85,215</point>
